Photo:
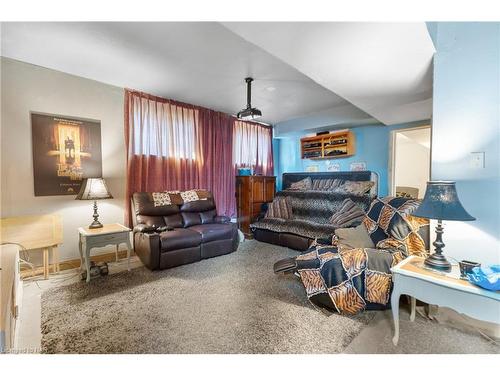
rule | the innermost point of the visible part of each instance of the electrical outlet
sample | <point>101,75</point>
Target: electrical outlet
<point>477,160</point>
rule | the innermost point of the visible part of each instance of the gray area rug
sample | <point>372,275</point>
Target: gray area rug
<point>229,304</point>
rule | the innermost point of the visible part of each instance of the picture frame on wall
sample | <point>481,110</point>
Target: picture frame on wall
<point>358,166</point>
<point>312,168</point>
<point>65,151</point>
<point>333,167</point>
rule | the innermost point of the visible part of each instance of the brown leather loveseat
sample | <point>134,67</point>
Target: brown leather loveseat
<point>191,231</point>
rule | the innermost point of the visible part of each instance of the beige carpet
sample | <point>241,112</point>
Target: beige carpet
<point>229,304</point>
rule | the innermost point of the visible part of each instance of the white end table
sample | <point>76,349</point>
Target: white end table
<point>109,234</point>
<point>442,289</point>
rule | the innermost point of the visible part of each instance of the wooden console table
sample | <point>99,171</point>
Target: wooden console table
<point>40,232</point>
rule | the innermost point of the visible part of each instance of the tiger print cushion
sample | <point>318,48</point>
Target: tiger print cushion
<point>305,184</point>
<point>348,215</point>
<point>391,225</point>
<point>355,187</point>
<point>326,184</point>
<point>280,208</point>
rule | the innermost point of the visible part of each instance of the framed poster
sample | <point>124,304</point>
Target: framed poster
<point>358,166</point>
<point>335,167</point>
<point>312,168</point>
<point>65,150</point>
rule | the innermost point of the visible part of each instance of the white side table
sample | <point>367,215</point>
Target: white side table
<point>109,234</point>
<point>442,289</point>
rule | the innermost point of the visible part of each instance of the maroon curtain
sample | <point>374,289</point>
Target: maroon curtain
<point>177,146</point>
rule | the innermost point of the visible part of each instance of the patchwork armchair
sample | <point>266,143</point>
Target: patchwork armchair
<point>349,280</point>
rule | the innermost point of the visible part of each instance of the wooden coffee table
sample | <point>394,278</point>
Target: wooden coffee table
<point>442,289</point>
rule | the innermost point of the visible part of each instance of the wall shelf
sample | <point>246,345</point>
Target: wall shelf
<point>328,146</point>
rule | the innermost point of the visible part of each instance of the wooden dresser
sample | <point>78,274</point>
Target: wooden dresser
<point>251,193</point>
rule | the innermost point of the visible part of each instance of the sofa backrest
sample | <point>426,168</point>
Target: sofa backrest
<point>319,206</point>
<point>289,178</point>
<point>174,215</point>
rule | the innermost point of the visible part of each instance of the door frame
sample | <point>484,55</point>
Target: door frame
<point>392,155</point>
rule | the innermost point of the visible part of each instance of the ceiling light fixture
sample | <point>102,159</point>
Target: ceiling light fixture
<point>249,113</point>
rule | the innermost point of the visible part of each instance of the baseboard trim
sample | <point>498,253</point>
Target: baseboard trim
<point>74,263</point>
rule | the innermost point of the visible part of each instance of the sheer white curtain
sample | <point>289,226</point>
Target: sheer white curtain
<point>252,147</point>
<point>163,129</point>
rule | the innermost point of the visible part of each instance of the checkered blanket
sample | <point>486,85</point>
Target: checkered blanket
<point>351,280</point>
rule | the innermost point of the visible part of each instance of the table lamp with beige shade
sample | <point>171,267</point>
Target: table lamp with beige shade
<point>94,189</point>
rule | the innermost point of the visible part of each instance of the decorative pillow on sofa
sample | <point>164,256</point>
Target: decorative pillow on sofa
<point>390,225</point>
<point>305,184</point>
<point>192,196</point>
<point>177,197</point>
<point>280,208</point>
<point>326,184</point>
<point>348,214</point>
<point>353,238</point>
<point>161,199</point>
<point>355,187</point>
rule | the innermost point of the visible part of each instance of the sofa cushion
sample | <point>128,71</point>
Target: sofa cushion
<point>326,183</point>
<point>190,218</point>
<point>179,238</point>
<point>305,184</point>
<point>304,228</point>
<point>144,205</point>
<point>355,187</point>
<point>213,232</point>
<point>348,215</point>
<point>353,238</point>
<point>280,208</point>
<point>174,221</point>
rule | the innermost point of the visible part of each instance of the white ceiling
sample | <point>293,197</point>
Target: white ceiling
<point>421,136</point>
<point>385,69</point>
<point>199,63</point>
<point>306,75</point>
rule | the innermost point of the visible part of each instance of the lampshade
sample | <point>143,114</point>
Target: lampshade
<point>441,203</point>
<point>93,188</point>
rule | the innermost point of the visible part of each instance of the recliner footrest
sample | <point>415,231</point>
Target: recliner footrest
<point>285,265</point>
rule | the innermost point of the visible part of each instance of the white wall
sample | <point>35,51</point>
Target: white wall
<point>26,88</point>
<point>412,162</point>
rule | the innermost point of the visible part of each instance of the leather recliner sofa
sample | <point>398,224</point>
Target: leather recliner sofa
<point>193,232</point>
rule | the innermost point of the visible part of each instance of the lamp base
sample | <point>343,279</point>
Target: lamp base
<point>438,262</point>
<point>95,224</point>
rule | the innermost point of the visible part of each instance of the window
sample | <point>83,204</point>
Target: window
<point>163,129</point>
<point>252,147</point>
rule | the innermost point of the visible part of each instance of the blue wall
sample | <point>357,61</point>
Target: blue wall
<point>372,147</point>
<point>466,118</point>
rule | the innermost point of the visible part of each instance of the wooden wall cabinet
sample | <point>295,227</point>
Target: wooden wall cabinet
<point>251,193</point>
<point>339,144</point>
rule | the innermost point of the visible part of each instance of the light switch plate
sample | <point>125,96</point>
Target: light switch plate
<point>477,160</point>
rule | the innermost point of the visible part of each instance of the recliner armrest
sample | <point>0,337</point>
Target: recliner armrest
<point>147,246</point>
<point>143,228</point>
<point>222,220</point>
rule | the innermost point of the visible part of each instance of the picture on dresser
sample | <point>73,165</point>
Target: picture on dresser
<point>65,151</point>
